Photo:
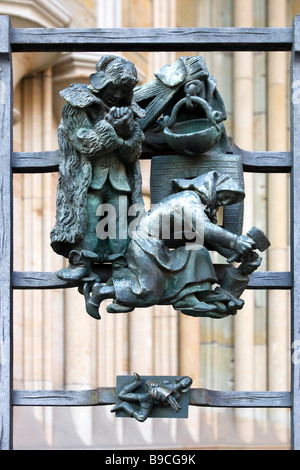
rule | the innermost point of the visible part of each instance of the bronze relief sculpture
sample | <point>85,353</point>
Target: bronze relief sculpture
<point>159,257</point>
<point>144,397</point>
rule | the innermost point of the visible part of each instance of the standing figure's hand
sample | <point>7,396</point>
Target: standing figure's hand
<point>122,121</point>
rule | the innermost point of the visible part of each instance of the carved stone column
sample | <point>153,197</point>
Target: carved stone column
<point>243,136</point>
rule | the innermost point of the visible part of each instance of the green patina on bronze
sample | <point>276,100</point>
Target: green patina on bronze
<point>105,127</point>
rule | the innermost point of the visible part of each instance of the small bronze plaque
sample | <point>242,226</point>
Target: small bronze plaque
<point>141,397</point>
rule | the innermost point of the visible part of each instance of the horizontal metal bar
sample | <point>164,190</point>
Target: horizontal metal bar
<point>270,280</point>
<point>48,280</point>
<point>151,39</point>
<point>256,162</point>
<point>97,397</point>
<point>267,162</point>
<point>35,162</point>
<point>212,398</point>
<point>107,396</point>
<point>263,162</point>
<point>28,280</point>
<point>40,162</point>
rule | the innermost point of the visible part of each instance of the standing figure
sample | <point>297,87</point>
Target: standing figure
<point>100,143</point>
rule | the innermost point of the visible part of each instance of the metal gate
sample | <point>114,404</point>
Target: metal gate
<point>109,40</point>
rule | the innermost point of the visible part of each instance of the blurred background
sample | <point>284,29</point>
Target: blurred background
<point>56,344</point>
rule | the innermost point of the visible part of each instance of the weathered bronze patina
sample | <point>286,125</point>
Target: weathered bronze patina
<point>100,143</point>
<point>144,397</point>
<point>159,257</point>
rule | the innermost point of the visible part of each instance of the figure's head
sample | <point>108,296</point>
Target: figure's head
<point>226,197</point>
<point>215,189</point>
<point>114,80</point>
<point>153,389</point>
<point>151,384</point>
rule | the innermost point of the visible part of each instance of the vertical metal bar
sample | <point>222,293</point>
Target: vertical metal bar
<point>6,217</point>
<point>295,233</point>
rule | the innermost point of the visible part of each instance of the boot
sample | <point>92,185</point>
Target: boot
<point>94,298</point>
<point>119,266</point>
<point>124,406</point>
<point>192,304</point>
<point>115,307</point>
<point>92,302</point>
<point>80,266</point>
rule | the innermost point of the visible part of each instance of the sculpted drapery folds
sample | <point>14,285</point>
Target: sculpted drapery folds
<point>173,270</point>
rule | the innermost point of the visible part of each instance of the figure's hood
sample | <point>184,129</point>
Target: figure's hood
<point>208,185</point>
